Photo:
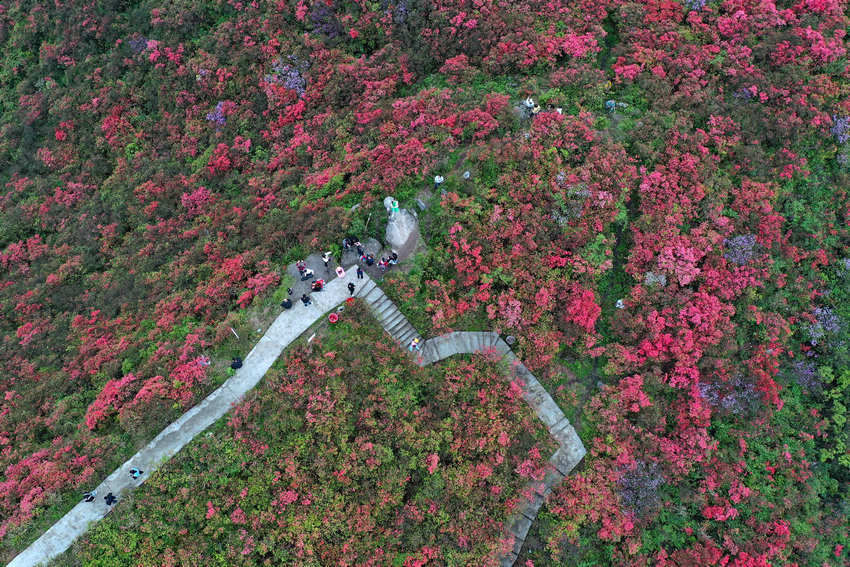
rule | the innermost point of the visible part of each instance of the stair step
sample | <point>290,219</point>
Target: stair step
<point>416,335</point>
<point>393,320</point>
<point>377,300</point>
<point>392,331</point>
<point>387,307</point>
<point>397,326</point>
<point>373,294</point>
<point>388,311</point>
<point>381,311</point>
<point>408,335</point>
<point>365,287</point>
<point>401,330</point>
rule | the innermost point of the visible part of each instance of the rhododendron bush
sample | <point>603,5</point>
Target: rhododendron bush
<point>663,228</point>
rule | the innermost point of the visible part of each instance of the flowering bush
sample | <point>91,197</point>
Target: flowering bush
<point>682,253</point>
<point>394,467</point>
<point>740,250</point>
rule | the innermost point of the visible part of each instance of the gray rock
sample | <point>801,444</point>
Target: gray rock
<point>651,278</point>
<point>349,257</point>
<point>401,226</point>
<point>373,247</point>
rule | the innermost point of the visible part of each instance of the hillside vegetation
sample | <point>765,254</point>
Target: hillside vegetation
<point>667,238</point>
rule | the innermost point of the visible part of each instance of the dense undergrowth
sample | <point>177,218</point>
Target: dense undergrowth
<point>347,453</point>
<point>160,161</point>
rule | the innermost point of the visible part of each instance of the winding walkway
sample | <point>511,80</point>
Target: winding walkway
<point>288,326</point>
<point>571,449</point>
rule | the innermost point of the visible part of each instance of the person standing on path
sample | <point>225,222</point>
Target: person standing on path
<point>110,499</point>
<point>359,273</point>
<point>305,299</point>
<point>136,473</point>
<point>350,288</point>
<point>326,257</point>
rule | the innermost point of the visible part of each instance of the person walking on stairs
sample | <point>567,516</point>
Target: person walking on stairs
<point>359,273</point>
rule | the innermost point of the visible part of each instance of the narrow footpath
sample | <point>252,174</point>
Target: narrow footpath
<point>288,326</point>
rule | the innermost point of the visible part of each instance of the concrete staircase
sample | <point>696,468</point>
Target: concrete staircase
<point>386,312</point>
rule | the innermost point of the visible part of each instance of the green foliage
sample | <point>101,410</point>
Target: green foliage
<point>837,434</point>
<point>355,439</point>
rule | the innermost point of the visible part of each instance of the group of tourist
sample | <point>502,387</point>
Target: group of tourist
<point>305,272</point>
<point>110,498</point>
<point>317,285</point>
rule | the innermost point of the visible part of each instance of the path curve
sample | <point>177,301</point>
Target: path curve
<point>571,449</point>
<point>288,326</point>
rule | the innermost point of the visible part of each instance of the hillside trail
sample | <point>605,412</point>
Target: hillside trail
<point>288,326</point>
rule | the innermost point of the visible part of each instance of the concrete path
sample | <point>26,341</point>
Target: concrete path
<point>571,449</point>
<point>286,328</point>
